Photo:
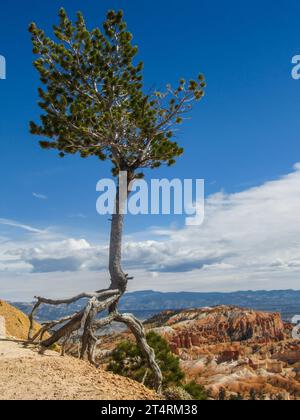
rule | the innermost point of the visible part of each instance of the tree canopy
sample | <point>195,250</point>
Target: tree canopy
<point>93,98</point>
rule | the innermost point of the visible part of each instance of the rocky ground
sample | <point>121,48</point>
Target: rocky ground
<point>26,375</point>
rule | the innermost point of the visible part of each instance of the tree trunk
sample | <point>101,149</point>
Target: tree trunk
<point>118,277</point>
<point>120,280</point>
<point>99,302</point>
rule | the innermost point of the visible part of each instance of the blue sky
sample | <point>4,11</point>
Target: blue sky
<point>244,134</point>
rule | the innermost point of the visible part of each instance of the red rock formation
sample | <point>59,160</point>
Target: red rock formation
<point>237,349</point>
<point>223,324</point>
<point>228,347</point>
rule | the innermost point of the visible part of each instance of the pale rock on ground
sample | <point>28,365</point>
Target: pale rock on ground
<point>2,327</point>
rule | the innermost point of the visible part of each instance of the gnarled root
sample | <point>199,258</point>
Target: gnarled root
<point>86,321</point>
<point>98,302</point>
<point>138,330</point>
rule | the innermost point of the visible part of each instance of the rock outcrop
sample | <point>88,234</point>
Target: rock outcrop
<point>223,324</point>
<point>14,324</point>
<point>241,350</point>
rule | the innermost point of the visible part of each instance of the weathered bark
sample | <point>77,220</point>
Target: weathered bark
<point>119,280</point>
<point>117,275</point>
<point>71,326</point>
<point>99,295</point>
<point>138,330</point>
<point>88,324</point>
<point>97,303</point>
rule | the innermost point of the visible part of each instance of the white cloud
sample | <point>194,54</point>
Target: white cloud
<point>40,196</point>
<point>61,256</point>
<point>249,240</point>
<point>13,223</point>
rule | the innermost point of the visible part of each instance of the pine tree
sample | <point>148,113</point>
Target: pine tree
<point>253,395</point>
<point>93,104</point>
<point>237,397</point>
<point>222,394</point>
<point>128,360</point>
<point>197,391</point>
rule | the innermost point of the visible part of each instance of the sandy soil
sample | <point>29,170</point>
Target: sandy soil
<point>26,375</point>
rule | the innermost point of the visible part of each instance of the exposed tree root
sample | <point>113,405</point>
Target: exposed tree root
<point>86,321</point>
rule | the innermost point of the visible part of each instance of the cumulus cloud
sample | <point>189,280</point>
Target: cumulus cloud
<point>249,239</point>
<point>60,256</point>
<point>256,230</point>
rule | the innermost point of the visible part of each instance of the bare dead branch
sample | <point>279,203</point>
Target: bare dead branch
<point>46,326</point>
<point>76,322</point>
<point>102,294</point>
<point>138,331</point>
<point>97,295</point>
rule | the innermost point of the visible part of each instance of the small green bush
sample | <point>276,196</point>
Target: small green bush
<point>197,391</point>
<point>127,360</point>
<point>177,393</point>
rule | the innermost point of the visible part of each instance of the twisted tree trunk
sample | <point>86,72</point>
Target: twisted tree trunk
<point>97,303</point>
<point>119,280</point>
